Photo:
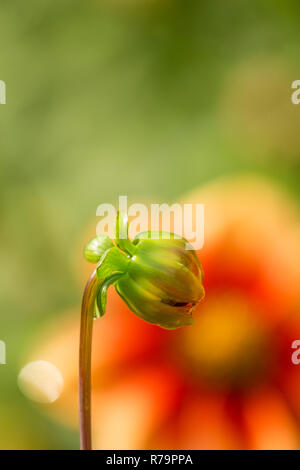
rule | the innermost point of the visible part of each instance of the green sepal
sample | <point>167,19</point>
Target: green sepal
<point>112,261</point>
<point>122,240</point>
<point>96,248</point>
<point>101,299</point>
<point>111,267</point>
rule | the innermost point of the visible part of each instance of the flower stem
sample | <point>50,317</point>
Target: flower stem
<point>85,352</point>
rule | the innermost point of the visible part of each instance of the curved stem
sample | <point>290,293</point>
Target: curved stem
<point>85,352</point>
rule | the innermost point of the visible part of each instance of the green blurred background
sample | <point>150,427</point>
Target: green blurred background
<point>143,98</point>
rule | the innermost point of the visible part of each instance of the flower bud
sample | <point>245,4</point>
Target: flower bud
<point>156,275</point>
<point>163,282</point>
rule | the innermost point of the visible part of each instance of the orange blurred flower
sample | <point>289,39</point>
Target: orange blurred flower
<point>227,382</point>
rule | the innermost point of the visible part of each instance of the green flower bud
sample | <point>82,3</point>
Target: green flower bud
<point>156,275</point>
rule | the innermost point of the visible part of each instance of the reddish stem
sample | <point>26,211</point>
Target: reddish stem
<point>85,352</point>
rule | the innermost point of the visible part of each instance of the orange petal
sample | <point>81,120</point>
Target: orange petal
<point>206,424</point>
<point>251,241</point>
<point>270,423</point>
<point>126,414</point>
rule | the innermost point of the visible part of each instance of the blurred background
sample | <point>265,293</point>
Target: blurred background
<point>152,99</point>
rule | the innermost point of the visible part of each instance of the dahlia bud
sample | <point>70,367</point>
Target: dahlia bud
<point>156,275</point>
